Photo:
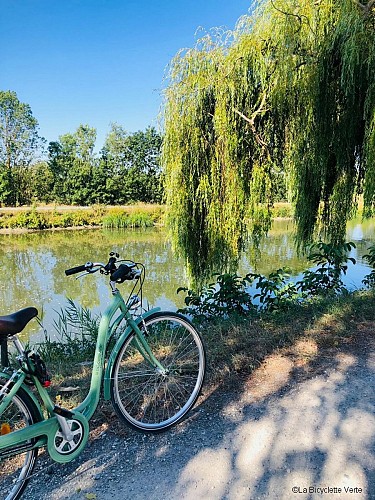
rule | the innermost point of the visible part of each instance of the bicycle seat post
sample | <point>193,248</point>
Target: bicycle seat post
<point>4,352</point>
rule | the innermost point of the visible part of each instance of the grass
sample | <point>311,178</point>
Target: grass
<point>129,216</point>
<point>118,219</point>
<point>237,346</point>
<point>37,218</point>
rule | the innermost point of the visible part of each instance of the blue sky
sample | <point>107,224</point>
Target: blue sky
<point>97,62</point>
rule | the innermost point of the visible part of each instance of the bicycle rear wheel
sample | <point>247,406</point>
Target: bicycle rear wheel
<point>16,469</point>
<point>143,396</point>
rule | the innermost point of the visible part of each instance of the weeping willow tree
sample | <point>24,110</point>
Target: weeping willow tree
<point>292,87</point>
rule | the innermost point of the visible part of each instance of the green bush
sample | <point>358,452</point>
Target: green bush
<point>275,292</point>
<point>369,279</point>
<point>227,295</point>
<point>66,220</point>
<point>282,210</point>
<point>332,264</point>
<point>29,219</point>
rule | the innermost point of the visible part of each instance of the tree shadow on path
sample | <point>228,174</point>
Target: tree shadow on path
<point>280,433</point>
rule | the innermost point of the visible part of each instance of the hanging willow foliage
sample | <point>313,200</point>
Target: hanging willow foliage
<point>291,88</point>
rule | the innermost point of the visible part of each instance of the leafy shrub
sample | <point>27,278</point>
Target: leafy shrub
<point>369,279</point>
<point>29,219</point>
<point>80,218</point>
<point>282,210</point>
<point>332,263</point>
<point>66,220</point>
<point>275,291</point>
<point>227,295</point>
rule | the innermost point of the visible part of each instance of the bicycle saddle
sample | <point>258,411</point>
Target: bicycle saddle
<point>16,322</point>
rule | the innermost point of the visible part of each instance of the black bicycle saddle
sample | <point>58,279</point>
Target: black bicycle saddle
<point>16,322</point>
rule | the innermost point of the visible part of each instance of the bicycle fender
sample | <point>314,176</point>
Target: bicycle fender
<point>28,392</point>
<point>115,351</point>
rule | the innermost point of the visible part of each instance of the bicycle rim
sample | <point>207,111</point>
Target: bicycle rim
<point>15,471</point>
<point>147,399</point>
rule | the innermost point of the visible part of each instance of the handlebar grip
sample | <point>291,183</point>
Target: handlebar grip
<point>75,270</point>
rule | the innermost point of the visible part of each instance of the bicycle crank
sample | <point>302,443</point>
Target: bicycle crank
<point>65,446</point>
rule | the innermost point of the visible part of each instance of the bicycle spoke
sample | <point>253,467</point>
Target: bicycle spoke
<point>152,399</point>
<point>17,462</point>
<point>131,375</point>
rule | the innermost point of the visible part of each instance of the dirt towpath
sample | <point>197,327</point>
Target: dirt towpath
<point>280,435</point>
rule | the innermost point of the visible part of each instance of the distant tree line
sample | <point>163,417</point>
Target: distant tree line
<point>68,171</point>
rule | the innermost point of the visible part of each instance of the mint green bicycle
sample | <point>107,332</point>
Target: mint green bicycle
<point>153,376</point>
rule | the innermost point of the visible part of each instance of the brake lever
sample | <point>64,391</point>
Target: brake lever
<point>89,271</point>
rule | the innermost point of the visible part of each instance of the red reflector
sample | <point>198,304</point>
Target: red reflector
<point>47,383</point>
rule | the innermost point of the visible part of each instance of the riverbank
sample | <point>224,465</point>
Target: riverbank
<point>282,343</point>
<point>16,219</point>
<point>49,217</point>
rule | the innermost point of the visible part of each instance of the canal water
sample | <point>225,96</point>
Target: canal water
<point>33,266</point>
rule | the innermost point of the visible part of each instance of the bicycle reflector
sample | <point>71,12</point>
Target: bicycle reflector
<point>5,429</point>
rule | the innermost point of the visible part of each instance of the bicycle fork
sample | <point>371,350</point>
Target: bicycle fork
<point>144,349</point>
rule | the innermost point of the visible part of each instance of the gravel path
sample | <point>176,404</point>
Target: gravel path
<point>316,430</point>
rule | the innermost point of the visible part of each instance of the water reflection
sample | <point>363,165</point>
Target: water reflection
<point>33,265</point>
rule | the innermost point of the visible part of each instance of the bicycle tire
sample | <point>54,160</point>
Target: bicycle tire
<point>15,471</point>
<point>144,398</point>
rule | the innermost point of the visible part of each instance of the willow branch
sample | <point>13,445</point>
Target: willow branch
<point>365,7</point>
<point>298,16</point>
<point>251,122</point>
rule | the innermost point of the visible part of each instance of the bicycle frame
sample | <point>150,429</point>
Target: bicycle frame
<point>44,431</point>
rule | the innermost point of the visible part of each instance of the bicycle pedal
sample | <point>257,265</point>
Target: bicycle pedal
<point>63,412</point>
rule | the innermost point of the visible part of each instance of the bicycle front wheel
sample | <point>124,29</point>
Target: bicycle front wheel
<point>151,399</point>
<point>16,465</point>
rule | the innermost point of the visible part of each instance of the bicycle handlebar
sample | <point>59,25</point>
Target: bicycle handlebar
<point>119,275</point>
<point>79,269</point>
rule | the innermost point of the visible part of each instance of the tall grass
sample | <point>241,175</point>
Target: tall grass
<point>124,220</point>
<point>109,217</point>
<point>76,333</point>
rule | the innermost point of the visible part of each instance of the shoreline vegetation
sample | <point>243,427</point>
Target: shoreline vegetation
<point>52,217</point>
<point>46,217</point>
<point>296,323</point>
<point>25,219</point>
